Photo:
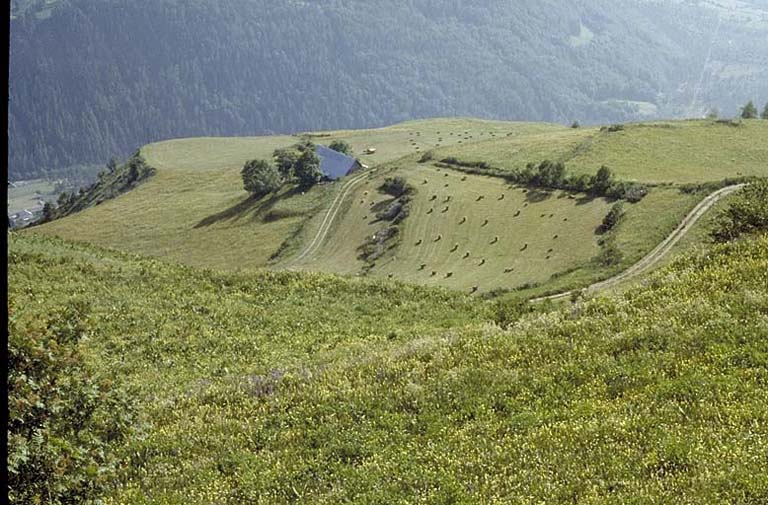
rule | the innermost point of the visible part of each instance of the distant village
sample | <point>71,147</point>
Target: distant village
<point>28,215</point>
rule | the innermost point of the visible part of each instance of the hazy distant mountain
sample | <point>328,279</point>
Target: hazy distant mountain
<point>95,78</point>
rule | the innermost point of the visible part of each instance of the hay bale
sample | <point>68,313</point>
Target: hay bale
<point>508,270</point>
<point>524,247</point>
<point>466,255</point>
<point>423,266</point>
<point>434,197</point>
<point>485,222</point>
<point>482,262</point>
<point>449,274</point>
<point>439,238</point>
<point>445,209</point>
<point>419,242</point>
<point>474,289</point>
<point>517,213</point>
<point>495,239</point>
<point>463,220</point>
<point>501,197</point>
<point>430,211</point>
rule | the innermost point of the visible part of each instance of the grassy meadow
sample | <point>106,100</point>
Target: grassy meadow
<point>278,387</point>
<point>194,210</point>
<point>676,152</point>
<point>528,236</point>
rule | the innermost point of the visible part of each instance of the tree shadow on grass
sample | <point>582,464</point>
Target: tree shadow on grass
<point>536,195</point>
<point>256,207</point>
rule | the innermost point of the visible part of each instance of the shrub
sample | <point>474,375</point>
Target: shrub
<point>748,213</point>
<point>612,218</point>
<point>260,178</point>
<point>63,421</point>
<point>395,186</point>
<point>341,147</point>
<point>610,254</point>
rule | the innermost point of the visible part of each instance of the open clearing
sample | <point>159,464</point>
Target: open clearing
<point>195,211</point>
<point>465,231</point>
<point>659,152</point>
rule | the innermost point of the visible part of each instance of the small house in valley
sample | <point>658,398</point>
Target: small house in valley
<point>334,164</point>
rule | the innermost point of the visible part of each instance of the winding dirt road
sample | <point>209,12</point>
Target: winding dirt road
<point>661,250</point>
<point>330,215</point>
<point>651,259</point>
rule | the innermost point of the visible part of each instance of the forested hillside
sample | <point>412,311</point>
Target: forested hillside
<point>96,78</point>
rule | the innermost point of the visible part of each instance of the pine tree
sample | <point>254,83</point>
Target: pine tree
<point>749,111</point>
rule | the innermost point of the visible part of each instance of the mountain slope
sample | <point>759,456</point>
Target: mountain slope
<point>96,78</point>
<point>286,387</point>
<point>195,211</point>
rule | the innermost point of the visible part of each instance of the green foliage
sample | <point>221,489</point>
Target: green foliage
<point>222,86</point>
<point>260,178</point>
<point>612,218</point>
<point>749,111</point>
<point>747,213</point>
<point>111,183</point>
<point>292,387</point>
<point>764,115</point>
<point>285,160</point>
<point>610,254</point>
<point>307,169</point>
<point>396,186</point>
<point>341,146</point>
<point>65,422</point>
<point>601,181</point>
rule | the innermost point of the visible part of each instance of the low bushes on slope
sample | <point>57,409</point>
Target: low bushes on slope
<point>111,184</point>
<point>284,388</point>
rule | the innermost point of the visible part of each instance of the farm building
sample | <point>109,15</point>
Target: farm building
<point>335,164</point>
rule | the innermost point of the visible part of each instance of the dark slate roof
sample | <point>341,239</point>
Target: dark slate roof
<point>333,163</point>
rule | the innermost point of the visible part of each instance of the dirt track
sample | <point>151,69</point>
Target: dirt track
<point>661,250</point>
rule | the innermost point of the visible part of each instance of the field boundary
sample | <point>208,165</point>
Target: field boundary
<point>660,251</point>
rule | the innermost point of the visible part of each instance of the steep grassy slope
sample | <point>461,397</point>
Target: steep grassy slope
<point>194,210</point>
<point>287,387</point>
<point>663,152</point>
<point>446,241</point>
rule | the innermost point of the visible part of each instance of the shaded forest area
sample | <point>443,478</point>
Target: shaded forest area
<point>95,78</point>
